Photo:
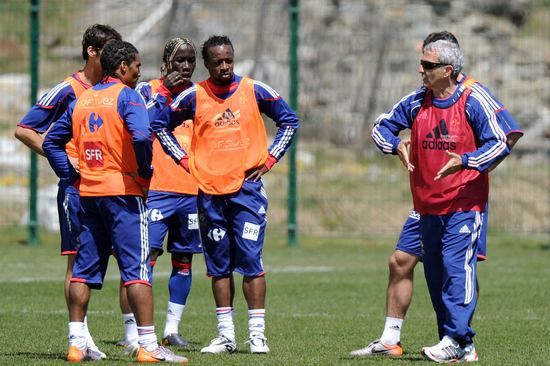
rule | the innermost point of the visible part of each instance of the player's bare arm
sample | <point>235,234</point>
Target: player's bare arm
<point>31,138</point>
<point>403,152</point>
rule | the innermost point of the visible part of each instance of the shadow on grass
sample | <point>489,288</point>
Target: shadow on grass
<point>37,355</point>
<point>377,359</point>
<point>193,346</point>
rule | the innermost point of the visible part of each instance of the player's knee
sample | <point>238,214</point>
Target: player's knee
<point>401,264</point>
<point>393,263</point>
<point>182,262</point>
<point>182,257</point>
<point>153,256</point>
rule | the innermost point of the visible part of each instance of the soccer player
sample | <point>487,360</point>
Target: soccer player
<point>455,139</point>
<point>408,250</point>
<point>172,201</point>
<point>40,118</point>
<point>110,127</point>
<point>228,156</point>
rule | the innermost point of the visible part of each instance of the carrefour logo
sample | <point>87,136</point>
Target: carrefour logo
<point>156,215</point>
<point>216,234</point>
<point>95,122</point>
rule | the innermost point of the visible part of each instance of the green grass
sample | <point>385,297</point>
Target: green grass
<point>325,298</point>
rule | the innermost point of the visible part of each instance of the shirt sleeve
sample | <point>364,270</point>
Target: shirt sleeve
<point>387,126</point>
<point>144,89</point>
<point>275,107</point>
<point>491,138</point>
<point>54,146</point>
<point>504,118</point>
<point>132,110</point>
<point>49,108</point>
<point>163,125</point>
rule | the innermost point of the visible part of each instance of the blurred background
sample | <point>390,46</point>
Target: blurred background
<point>356,59</point>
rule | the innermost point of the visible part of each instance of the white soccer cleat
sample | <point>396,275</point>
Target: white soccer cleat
<point>258,344</point>
<point>130,347</point>
<point>92,347</point>
<point>471,354</point>
<point>446,351</point>
<point>160,354</point>
<point>220,344</point>
<point>75,354</point>
<point>377,348</point>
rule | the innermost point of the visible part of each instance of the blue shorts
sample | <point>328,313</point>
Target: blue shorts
<point>118,223</point>
<point>175,214</point>
<point>232,230</point>
<point>68,206</point>
<point>409,239</point>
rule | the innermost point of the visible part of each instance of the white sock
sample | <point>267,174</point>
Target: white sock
<point>256,322</point>
<point>226,327</point>
<point>77,335</point>
<point>173,318</point>
<point>392,331</point>
<point>147,338</point>
<point>89,338</point>
<point>130,328</point>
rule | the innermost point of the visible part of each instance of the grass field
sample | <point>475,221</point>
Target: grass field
<point>325,298</point>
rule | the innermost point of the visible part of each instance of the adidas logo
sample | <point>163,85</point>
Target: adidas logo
<point>227,118</point>
<point>439,137</point>
<point>261,210</point>
<point>439,131</point>
<point>464,230</point>
<point>396,327</point>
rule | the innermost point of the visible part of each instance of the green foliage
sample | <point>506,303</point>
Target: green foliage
<point>325,298</point>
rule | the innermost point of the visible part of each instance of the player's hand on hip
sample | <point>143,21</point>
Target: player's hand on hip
<point>403,152</point>
<point>75,163</point>
<point>256,174</point>
<point>453,165</point>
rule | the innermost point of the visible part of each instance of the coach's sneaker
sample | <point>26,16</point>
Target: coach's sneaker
<point>175,340</point>
<point>471,354</point>
<point>257,344</point>
<point>377,348</point>
<point>75,354</point>
<point>446,351</point>
<point>220,344</point>
<point>160,354</point>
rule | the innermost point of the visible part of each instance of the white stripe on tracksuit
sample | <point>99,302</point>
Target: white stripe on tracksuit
<point>47,99</point>
<point>469,283</point>
<point>143,272</point>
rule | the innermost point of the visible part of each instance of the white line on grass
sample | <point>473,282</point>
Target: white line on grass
<point>166,274</point>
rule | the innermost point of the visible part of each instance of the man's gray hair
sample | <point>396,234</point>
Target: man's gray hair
<point>449,53</point>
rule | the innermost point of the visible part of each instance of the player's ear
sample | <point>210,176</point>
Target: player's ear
<point>92,52</point>
<point>449,69</point>
<point>123,67</point>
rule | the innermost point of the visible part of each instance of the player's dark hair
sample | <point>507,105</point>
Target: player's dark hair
<point>212,42</point>
<point>97,36</point>
<point>114,53</point>
<point>170,49</point>
<point>440,36</point>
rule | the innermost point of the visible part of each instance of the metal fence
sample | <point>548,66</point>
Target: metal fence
<point>357,58</point>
